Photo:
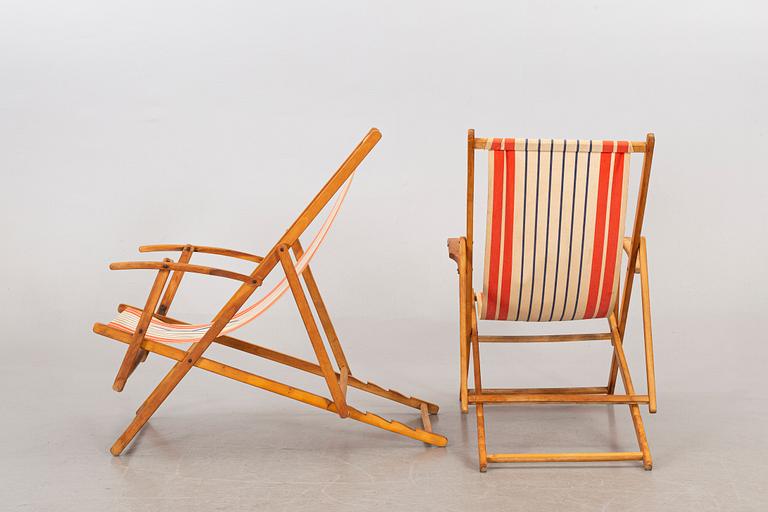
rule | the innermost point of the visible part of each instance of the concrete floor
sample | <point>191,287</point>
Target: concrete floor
<point>221,445</point>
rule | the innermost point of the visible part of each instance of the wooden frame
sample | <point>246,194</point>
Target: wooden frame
<point>461,250</point>
<point>337,381</point>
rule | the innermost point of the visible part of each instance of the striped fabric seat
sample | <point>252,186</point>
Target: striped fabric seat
<point>556,215</point>
<point>128,319</point>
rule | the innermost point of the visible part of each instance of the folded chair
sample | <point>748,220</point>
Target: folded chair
<point>151,329</point>
<point>553,252</point>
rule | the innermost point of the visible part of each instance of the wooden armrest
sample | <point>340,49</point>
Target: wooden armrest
<point>454,248</point>
<point>627,245</point>
<point>202,248</point>
<point>183,267</point>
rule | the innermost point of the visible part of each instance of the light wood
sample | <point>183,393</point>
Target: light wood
<point>182,267</point>
<point>277,387</point>
<point>309,367</point>
<point>135,354</point>
<point>650,370</point>
<point>544,398</point>
<point>550,338</point>
<point>565,457</point>
<point>597,390</point>
<point>637,146</point>
<point>344,381</point>
<point>312,331</point>
<point>322,310</point>
<point>577,395</point>
<point>201,248</point>
<point>626,379</point>
<point>173,284</point>
<point>425,421</point>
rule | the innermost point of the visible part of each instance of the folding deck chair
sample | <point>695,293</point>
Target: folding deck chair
<point>151,329</point>
<point>554,241</point>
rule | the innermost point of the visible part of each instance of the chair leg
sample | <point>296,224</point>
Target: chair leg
<point>313,332</point>
<point>650,372</point>
<point>322,311</point>
<point>135,354</point>
<point>464,328</point>
<point>634,409</point>
<point>181,368</point>
<point>479,410</point>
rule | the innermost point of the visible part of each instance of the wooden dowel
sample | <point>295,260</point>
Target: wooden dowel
<point>174,282</point>
<point>598,390</point>
<point>565,457</point>
<point>647,331</point>
<point>343,379</point>
<point>482,398</point>
<point>204,249</point>
<point>425,421</point>
<point>550,338</point>
<point>637,146</point>
<point>135,354</point>
<point>184,267</point>
<point>312,331</point>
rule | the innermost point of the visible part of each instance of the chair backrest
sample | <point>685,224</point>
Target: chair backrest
<point>555,226</point>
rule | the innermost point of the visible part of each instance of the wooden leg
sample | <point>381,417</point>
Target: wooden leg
<point>313,332</point>
<point>299,364</point>
<point>479,411</point>
<point>279,388</point>
<point>322,311</point>
<point>135,354</point>
<point>464,328</point>
<point>634,409</point>
<point>181,368</point>
<point>650,372</point>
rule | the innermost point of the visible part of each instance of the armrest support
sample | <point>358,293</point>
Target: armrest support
<point>204,249</point>
<point>627,245</point>
<point>454,248</point>
<point>183,267</point>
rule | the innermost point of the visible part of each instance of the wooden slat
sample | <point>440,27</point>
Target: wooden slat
<point>565,457</point>
<point>482,398</point>
<point>549,338</point>
<point>183,267</point>
<point>275,387</point>
<point>637,146</point>
<point>598,390</point>
<point>204,249</point>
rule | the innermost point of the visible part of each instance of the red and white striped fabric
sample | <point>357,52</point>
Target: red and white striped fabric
<point>158,330</point>
<point>556,215</point>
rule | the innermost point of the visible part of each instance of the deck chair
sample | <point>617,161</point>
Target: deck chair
<point>553,251</point>
<point>151,329</point>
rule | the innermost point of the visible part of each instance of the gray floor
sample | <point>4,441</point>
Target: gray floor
<point>221,445</point>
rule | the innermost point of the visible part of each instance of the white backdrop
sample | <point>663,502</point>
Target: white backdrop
<point>126,123</point>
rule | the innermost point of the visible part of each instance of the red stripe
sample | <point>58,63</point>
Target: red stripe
<point>597,247</point>
<point>509,218</point>
<point>613,230</point>
<point>496,217</point>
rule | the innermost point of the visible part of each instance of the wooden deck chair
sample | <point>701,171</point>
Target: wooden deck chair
<point>554,240</point>
<point>151,330</point>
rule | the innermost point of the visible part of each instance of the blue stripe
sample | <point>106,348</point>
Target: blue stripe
<point>522,252</point>
<point>546,242</point>
<point>535,229</point>
<point>583,233</point>
<point>570,237</point>
<point>559,228</point>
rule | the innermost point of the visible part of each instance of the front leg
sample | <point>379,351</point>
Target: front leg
<point>457,251</point>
